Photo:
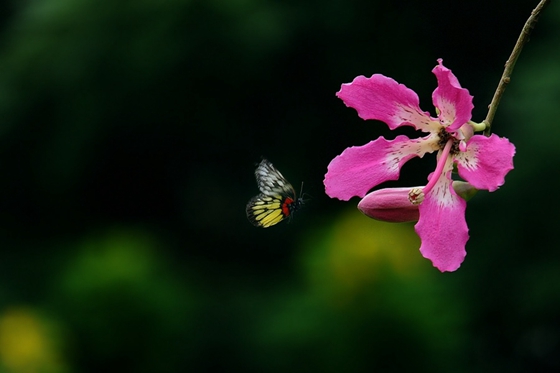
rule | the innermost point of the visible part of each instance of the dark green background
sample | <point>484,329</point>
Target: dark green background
<point>129,131</point>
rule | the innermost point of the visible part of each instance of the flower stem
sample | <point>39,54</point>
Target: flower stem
<point>510,63</point>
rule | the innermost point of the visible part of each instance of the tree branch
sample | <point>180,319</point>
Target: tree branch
<point>510,63</point>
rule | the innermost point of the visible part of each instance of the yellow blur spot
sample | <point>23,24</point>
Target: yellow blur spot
<point>360,246</point>
<point>356,254</point>
<point>27,344</point>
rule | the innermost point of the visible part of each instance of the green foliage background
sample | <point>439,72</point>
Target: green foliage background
<point>129,131</point>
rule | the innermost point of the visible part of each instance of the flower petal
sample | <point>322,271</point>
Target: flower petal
<point>382,98</point>
<point>454,103</point>
<point>442,226</point>
<point>486,161</point>
<point>360,168</point>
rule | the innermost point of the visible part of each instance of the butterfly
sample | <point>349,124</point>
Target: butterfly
<point>277,200</point>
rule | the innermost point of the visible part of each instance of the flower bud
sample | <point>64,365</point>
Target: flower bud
<point>389,204</point>
<point>393,204</point>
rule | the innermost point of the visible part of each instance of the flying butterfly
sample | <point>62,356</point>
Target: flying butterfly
<point>277,200</point>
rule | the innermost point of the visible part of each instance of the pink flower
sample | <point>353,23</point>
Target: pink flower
<point>482,161</point>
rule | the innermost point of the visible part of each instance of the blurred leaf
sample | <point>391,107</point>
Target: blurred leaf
<point>122,299</point>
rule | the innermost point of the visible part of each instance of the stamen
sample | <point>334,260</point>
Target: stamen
<point>416,196</point>
<point>439,168</point>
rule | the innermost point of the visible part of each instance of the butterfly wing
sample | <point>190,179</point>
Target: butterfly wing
<point>265,211</point>
<point>276,201</point>
<point>271,181</point>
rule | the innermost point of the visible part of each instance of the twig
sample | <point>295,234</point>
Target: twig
<point>510,63</point>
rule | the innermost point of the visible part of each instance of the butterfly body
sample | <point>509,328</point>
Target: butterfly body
<point>277,200</point>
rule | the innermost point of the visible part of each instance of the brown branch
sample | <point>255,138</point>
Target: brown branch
<point>510,63</point>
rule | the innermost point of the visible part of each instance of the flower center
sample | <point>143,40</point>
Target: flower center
<point>416,196</point>
<point>444,138</point>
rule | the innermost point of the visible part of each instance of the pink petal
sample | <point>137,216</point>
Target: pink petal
<point>360,168</point>
<point>389,204</point>
<point>454,103</point>
<point>442,226</point>
<point>382,98</point>
<point>486,161</point>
